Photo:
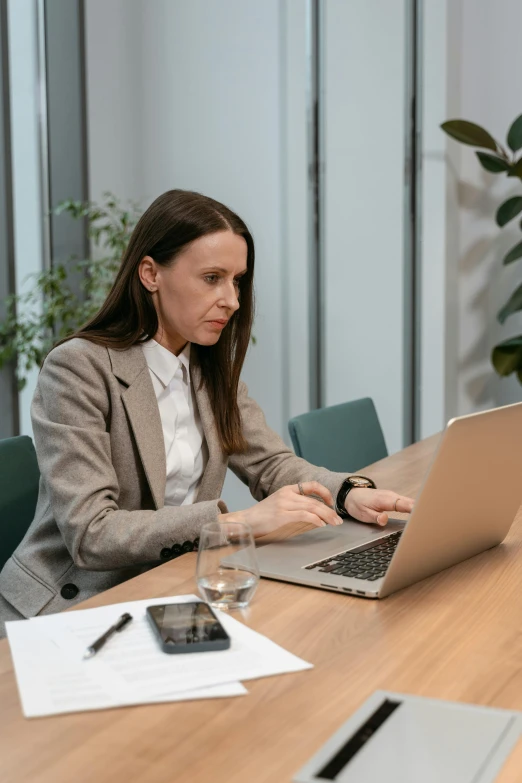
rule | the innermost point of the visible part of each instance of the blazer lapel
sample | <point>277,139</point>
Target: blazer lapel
<point>212,479</point>
<point>141,406</point>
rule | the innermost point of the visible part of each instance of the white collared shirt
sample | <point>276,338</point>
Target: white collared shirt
<point>185,446</point>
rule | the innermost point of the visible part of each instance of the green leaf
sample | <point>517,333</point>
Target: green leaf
<point>514,137</point>
<point>506,357</point>
<point>513,305</point>
<point>51,309</point>
<point>508,210</point>
<point>514,254</point>
<point>469,133</point>
<point>492,162</point>
<point>516,169</point>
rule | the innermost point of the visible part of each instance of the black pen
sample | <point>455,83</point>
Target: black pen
<point>98,644</point>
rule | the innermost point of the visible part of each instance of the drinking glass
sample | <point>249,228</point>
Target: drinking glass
<point>227,572</point>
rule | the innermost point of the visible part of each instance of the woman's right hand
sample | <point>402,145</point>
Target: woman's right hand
<point>288,505</point>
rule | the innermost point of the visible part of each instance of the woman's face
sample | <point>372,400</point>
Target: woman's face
<point>198,294</point>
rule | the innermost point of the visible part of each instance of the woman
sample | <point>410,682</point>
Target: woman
<point>137,416</point>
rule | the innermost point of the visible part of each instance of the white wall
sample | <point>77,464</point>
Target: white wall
<point>114,51</point>
<point>364,72</point>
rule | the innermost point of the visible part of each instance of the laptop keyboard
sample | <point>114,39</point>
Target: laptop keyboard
<point>368,562</point>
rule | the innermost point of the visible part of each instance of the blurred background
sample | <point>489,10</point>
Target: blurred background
<point>379,261</point>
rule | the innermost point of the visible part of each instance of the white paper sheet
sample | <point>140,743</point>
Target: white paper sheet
<point>50,683</point>
<point>131,668</point>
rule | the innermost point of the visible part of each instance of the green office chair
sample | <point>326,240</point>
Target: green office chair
<point>343,438</point>
<point>19,477</point>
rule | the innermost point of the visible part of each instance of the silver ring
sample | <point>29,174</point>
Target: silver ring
<point>300,488</point>
<point>395,506</point>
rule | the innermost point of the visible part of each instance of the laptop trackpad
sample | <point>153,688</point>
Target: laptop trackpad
<point>323,542</point>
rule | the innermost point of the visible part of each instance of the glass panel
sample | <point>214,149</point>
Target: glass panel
<point>364,114</point>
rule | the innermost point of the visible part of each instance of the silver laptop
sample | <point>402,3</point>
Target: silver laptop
<point>467,504</point>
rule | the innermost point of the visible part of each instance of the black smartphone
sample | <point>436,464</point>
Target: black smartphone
<point>184,628</point>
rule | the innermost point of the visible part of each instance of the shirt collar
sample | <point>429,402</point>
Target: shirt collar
<point>163,363</point>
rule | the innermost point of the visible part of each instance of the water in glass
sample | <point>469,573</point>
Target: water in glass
<point>228,588</point>
<point>227,571</point>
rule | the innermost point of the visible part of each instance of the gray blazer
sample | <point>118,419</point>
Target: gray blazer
<point>100,517</point>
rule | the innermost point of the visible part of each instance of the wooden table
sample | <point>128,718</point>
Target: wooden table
<point>457,635</point>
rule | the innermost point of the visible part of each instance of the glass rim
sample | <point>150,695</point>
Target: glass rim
<point>217,525</point>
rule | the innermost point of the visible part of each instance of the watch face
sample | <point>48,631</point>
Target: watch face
<point>360,481</point>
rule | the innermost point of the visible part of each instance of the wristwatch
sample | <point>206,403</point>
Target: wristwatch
<point>352,482</point>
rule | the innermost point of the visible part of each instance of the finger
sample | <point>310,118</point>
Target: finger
<point>315,488</point>
<point>318,508</point>
<point>403,504</point>
<point>375,517</point>
<point>371,516</point>
<point>385,500</point>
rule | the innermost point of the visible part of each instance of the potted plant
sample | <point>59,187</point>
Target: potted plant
<point>52,309</point>
<point>506,357</point>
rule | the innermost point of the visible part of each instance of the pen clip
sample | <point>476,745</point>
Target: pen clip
<point>122,622</point>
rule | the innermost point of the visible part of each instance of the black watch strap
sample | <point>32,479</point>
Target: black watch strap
<point>346,487</point>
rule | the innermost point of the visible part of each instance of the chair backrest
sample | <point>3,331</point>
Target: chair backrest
<point>19,478</point>
<point>342,438</point>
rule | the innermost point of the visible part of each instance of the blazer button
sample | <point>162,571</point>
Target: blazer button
<point>176,550</point>
<point>165,553</point>
<point>187,546</point>
<point>69,591</point>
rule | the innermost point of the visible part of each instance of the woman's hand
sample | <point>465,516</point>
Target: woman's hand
<point>372,505</point>
<point>288,505</point>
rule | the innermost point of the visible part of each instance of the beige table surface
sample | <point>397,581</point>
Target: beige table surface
<point>457,635</point>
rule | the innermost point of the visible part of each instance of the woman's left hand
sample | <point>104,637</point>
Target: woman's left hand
<point>373,505</point>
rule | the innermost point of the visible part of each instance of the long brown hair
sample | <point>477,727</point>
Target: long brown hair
<point>128,316</point>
